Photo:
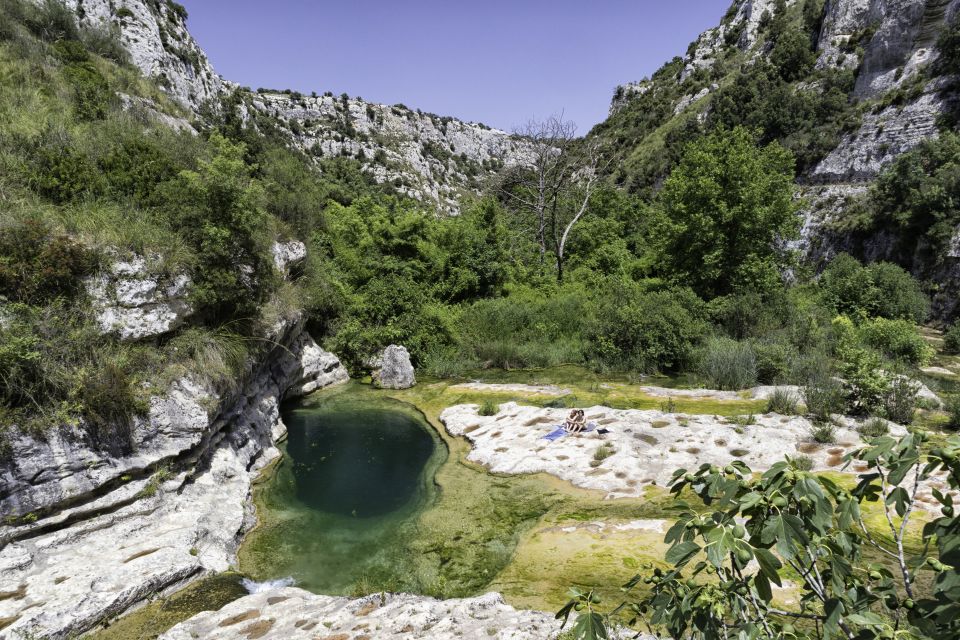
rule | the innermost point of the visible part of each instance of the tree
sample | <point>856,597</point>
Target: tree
<point>221,213</point>
<point>855,582</point>
<point>552,189</point>
<point>724,213</point>
<point>534,187</point>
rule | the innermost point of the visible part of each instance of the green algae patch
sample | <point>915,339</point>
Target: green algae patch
<point>599,555</point>
<point>156,617</point>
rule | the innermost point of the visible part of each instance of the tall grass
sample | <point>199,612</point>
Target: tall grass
<point>728,364</point>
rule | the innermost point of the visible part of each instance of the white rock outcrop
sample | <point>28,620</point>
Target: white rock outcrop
<point>647,445</point>
<point>156,37</point>
<point>93,534</point>
<point>294,614</point>
<point>136,304</point>
<point>394,369</point>
<point>287,254</point>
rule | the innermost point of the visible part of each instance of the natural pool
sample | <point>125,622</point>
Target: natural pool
<point>340,510</point>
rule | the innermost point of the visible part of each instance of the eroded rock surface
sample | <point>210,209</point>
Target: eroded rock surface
<point>135,303</point>
<point>293,614</point>
<point>642,447</point>
<point>108,532</point>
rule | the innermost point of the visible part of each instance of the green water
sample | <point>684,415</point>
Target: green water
<point>341,508</point>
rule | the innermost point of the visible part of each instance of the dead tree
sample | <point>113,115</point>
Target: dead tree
<point>533,188</point>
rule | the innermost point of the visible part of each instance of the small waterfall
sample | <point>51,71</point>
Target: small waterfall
<point>267,585</point>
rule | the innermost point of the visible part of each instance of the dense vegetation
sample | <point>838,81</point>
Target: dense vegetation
<point>687,279</point>
<point>677,262</point>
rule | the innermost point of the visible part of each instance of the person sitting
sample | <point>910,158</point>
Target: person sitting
<point>576,422</point>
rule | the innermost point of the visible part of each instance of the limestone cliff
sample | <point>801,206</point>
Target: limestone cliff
<point>896,100</point>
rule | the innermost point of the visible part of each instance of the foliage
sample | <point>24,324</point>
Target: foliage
<point>896,339</point>
<point>879,289</point>
<point>728,364</point>
<point>647,331</point>
<point>783,401</point>
<point>823,432</point>
<point>488,408</point>
<point>757,530</point>
<point>37,265</point>
<point>722,212</point>
<point>874,428</point>
<point>951,339</point>
<point>917,198</point>
<point>220,211</point>
<point>822,395</point>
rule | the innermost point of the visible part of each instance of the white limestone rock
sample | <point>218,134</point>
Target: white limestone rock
<point>648,445</point>
<point>136,304</point>
<point>110,531</point>
<point>295,614</point>
<point>396,371</point>
<point>315,368</point>
<point>287,254</point>
<point>881,138</point>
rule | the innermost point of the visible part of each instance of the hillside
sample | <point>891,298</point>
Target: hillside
<point>848,86</point>
<point>755,256</point>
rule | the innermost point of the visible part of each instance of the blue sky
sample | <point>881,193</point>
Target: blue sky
<point>497,62</point>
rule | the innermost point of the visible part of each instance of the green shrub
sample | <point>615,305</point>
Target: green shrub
<point>953,413</point>
<point>823,432</point>
<point>728,364</point>
<point>61,173</point>
<point>91,92</point>
<point>896,339</point>
<point>783,401</point>
<point>775,360</point>
<point>219,211</point>
<point>874,428</point>
<point>900,403</point>
<point>648,332</point>
<point>879,289</point>
<point>951,339</point>
<point>801,463</point>
<point>488,408</point>
<point>37,265</point>
<point>52,20</point>
<point>823,395</point>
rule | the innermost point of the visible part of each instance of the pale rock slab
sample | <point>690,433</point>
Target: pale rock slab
<point>136,304</point>
<point>294,614</point>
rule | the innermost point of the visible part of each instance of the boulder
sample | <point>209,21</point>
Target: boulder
<point>133,302</point>
<point>395,370</point>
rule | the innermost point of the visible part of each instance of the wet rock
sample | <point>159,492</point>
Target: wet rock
<point>395,370</point>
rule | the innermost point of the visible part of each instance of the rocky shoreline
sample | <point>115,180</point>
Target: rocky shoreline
<point>89,536</point>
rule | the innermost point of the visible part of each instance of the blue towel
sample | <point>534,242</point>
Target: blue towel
<point>559,432</point>
<point>556,434</point>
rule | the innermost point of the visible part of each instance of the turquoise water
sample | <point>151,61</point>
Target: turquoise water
<point>340,510</point>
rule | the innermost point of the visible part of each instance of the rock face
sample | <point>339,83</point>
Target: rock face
<point>422,155</point>
<point>156,37</point>
<point>136,304</point>
<point>395,370</point>
<point>103,533</point>
<point>293,614</point>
